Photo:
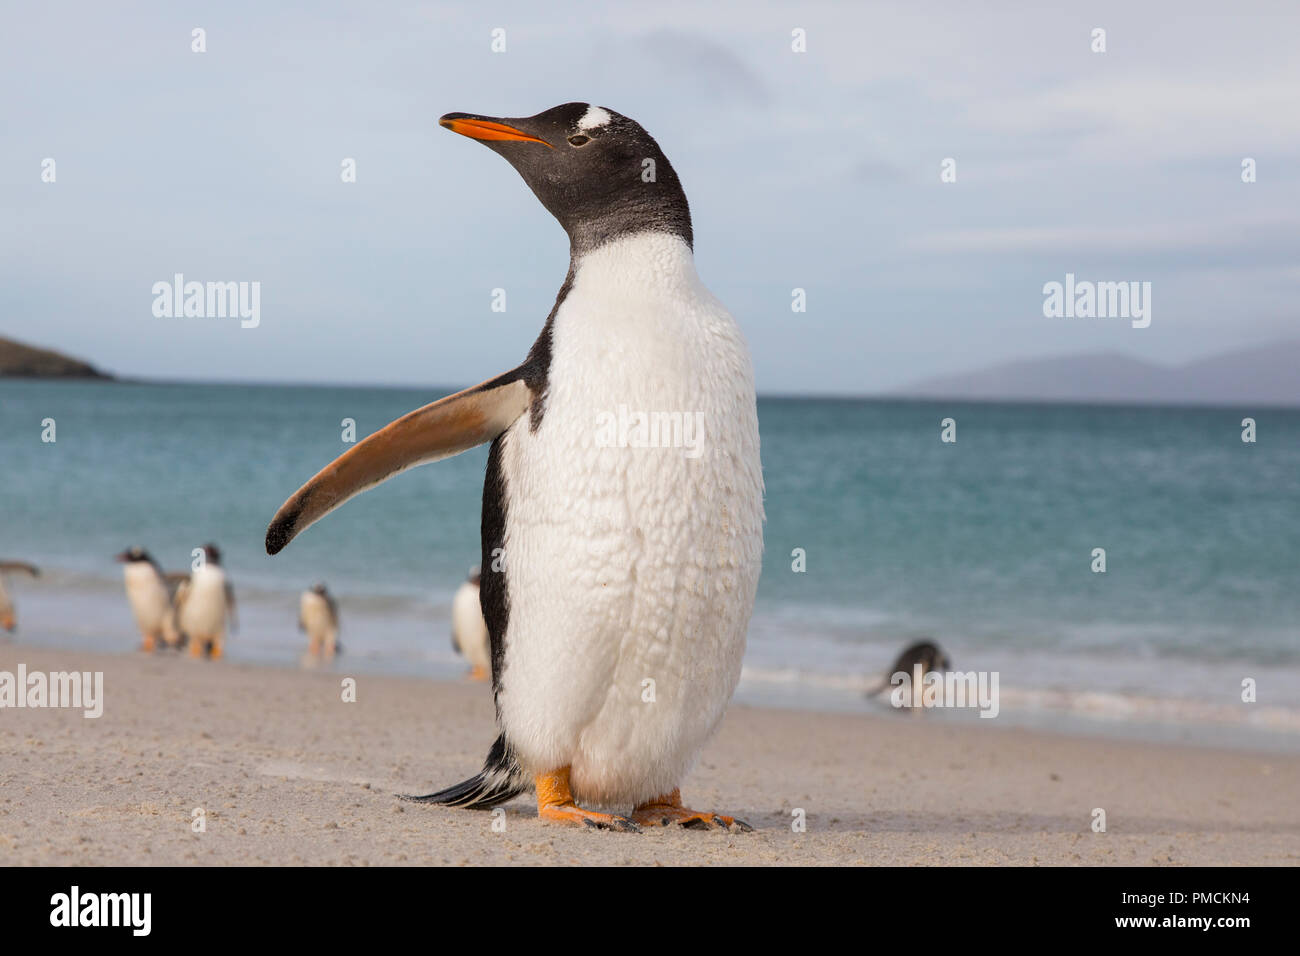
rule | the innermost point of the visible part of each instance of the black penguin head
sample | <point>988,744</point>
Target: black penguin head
<point>598,172</point>
<point>320,589</point>
<point>133,554</point>
<point>212,554</point>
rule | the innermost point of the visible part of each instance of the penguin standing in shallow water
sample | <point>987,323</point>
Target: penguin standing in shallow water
<point>619,570</point>
<point>8,616</point>
<point>318,615</point>
<point>149,592</point>
<point>469,632</point>
<point>925,655</point>
<point>207,606</point>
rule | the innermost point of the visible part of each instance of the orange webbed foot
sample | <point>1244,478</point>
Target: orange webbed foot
<point>555,803</point>
<point>666,810</point>
<point>569,813</point>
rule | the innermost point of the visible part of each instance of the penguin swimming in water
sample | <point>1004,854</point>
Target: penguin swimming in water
<point>149,591</point>
<point>207,606</point>
<point>469,632</point>
<point>318,615</point>
<point>620,566</point>
<point>924,654</point>
<point>8,615</point>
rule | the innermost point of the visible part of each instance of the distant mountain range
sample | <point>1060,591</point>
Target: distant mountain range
<point>1268,375</point>
<point>25,361</point>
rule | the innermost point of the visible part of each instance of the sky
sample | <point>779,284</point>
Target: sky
<point>817,170</point>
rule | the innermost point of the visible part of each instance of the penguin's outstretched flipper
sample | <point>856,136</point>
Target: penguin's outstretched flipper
<point>499,780</point>
<point>447,427</point>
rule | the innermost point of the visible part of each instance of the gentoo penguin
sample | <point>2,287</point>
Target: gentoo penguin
<point>929,656</point>
<point>318,615</point>
<point>619,567</point>
<point>149,592</point>
<point>469,633</point>
<point>207,605</point>
<point>8,618</point>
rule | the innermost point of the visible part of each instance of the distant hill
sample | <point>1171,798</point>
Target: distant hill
<point>24,361</point>
<point>1269,375</point>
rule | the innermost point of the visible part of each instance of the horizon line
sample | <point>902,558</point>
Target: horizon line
<point>444,391</point>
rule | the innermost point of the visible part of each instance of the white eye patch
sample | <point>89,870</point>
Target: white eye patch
<point>595,116</point>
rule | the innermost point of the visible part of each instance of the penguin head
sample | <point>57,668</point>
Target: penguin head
<point>212,554</point>
<point>597,171</point>
<point>474,576</point>
<point>133,554</point>
<point>319,588</point>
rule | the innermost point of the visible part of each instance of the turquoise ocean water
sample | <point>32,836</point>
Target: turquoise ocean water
<point>984,544</point>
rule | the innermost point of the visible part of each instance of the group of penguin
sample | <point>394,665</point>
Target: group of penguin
<point>174,610</point>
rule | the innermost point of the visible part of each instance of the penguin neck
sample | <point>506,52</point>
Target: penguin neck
<point>647,259</point>
<point>659,208</point>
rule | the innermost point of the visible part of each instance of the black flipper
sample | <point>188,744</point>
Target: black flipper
<point>499,780</point>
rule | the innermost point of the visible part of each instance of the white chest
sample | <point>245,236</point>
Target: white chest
<point>146,593</point>
<point>314,613</point>
<point>204,612</point>
<point>649,411</point>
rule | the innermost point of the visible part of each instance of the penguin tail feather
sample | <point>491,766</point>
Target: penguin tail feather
<point>499,780</point>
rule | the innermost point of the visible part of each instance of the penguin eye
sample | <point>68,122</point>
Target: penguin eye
<point>579,140</point>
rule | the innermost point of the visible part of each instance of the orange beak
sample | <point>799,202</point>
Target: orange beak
<point>476,128</point>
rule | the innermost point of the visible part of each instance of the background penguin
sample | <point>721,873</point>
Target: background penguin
<point>172,632</point>
<point>149,591</point>
<point>318,615</point>
<point>469,633</point>
<point>8,614</point>
<point>927,654</point>
<point>207,606</point>
<point>623,563</point>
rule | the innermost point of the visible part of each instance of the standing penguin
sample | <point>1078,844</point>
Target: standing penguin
<point>916,660</point>
<point>207,606</point>
<point>318,615</point>
<point>149,592</point>
<point>621,563</point>
<point>8,617</point>
<point>469,632</point>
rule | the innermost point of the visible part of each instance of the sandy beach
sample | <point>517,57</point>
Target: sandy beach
<point>287,773</point>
